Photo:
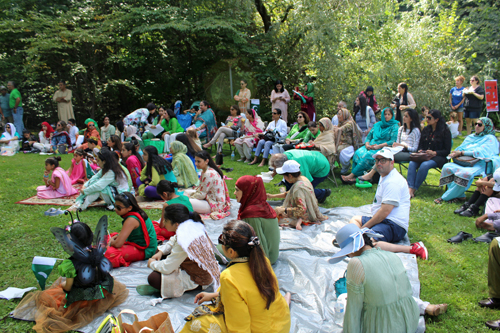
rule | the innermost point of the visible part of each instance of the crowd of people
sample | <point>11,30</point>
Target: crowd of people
<point>156,153</point>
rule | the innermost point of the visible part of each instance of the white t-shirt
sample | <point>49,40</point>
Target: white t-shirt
<point>454,129</point>
<point>335,120</point>
<point>393,190</point>
<point>72,134</point>
<point>278,127</point>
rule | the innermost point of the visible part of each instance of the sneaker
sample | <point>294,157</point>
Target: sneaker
<point>419,250</point>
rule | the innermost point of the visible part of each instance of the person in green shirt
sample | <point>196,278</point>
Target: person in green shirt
<point>16,104</point>
<point>313,133</point>
<point>313,165</point>
<point>171,126</point>
<point>297,133</point>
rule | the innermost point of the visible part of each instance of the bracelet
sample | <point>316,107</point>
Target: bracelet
<point>45,176</point>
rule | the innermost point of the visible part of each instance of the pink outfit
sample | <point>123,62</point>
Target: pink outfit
<point>79,171</point>
<point>134,167</point>
<point>213,189</point>
<point>279,104</point>
<point>65,188</point>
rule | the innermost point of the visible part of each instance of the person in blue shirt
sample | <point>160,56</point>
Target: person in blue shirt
<point>457,100</point>
<point>5,109</point>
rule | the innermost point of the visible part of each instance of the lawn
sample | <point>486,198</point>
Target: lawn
<point>454,274</point>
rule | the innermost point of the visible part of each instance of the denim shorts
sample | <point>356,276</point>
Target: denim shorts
<point>392,232</point>
<point>472,114</point>
<point>459,110</point>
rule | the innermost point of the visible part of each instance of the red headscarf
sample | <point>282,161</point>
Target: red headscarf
<point>253,202</point>
<point>49,129</point>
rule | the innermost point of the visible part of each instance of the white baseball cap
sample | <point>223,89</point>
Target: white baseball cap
<point>384,153</point>
<point>496,177</point>
<point>289,167</point>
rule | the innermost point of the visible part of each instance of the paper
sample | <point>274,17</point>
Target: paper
<point>12,292</point>
<point>155,131</point>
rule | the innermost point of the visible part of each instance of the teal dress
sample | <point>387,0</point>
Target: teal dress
<point>137,237</point>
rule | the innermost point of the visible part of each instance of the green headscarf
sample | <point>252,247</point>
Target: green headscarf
<point>310,90</point>
<point>383,127</point>
<point>183,166</point>
<point>88,120</point>
<point>488,127</point>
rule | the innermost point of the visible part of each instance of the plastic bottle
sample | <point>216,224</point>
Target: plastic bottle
<point>232,155</point>
<point>339,313</point>
<point>238,133</point>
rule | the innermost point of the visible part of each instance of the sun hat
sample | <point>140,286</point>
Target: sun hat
<point>384,153</point>
<point>289,167</point>
<point>350,240</point>
<point>496,176</point>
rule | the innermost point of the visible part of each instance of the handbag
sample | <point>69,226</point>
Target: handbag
<point>465,161</point>
<point>219,158</point>
<point>268,136</point>
<point>420,157</point>
<point>341,285</point>
<point>159,323</point>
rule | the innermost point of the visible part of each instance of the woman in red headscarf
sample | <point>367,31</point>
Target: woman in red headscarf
<point>255,210</point>
<point>45,136</point>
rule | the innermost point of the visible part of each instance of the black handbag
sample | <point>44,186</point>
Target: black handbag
<point>219,158</point>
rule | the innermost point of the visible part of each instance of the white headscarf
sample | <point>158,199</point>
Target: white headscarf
<point>7,135</point>
<point>131,132</point>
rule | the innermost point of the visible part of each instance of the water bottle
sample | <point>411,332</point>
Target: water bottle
<point>238,133</point>
<point>339,313</point>
<point>232,155</point>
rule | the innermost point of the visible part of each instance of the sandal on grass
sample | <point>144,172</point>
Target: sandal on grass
<point>456,200</point>
<point>438,201</point>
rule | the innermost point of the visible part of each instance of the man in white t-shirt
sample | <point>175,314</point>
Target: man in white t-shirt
<point>390,209</point>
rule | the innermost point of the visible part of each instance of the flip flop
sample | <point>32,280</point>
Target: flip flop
<point>460,237</point>
<point>50,212</point>
<point>438,201</point>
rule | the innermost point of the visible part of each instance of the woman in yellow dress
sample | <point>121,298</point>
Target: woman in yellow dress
<point>242,305</point>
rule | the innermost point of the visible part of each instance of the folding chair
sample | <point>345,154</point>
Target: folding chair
<point>334,180</point>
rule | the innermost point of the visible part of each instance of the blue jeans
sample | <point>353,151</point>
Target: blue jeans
<point>392,232</point>
<point>267,147</point>
<point>320,193</point>
<point>416,178</point>
<point>18,119</point>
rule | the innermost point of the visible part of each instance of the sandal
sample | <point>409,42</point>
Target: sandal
<point>456,200</point>
<point>438,201</point>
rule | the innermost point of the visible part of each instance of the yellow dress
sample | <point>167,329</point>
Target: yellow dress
<point>244,307</point>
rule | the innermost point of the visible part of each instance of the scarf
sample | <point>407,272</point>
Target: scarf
<point>326,140</point>
<point>253,201</point>
<point>304,191</point>
<point>257,123</point>
<point>383,127</point>
<point>310,90</point>
<point>488,127</point>
<point>90,120</point>
<point>131,131</point>
<point>187,176</point>
<point>357,136</point>
<point>208,118</point>
<point>65,181</point>
<point>7,135</point>
<point>49,129</point>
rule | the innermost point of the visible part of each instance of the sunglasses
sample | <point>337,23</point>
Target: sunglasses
<point>479,124</point>
<point>381,160</point>
<point>300,117</point>
<point>242,84</point>
<point>275,112</point>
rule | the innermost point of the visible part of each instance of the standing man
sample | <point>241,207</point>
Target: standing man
<point>16,105</point>
<point>63,99</point>
<point>5,109</point>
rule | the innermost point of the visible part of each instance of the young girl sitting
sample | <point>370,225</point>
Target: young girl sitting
<point>74,303</point>
<point>77,172</point>
<point>137,239</point>
<point>166,190</point>
<point>248,299</point>
<point>453,125</point>
<point>155,170</point>
<point>190,262</point>
<point>114,144</point>
<point>133,161</point>
<point>106,183</point>
<point>59,185</point>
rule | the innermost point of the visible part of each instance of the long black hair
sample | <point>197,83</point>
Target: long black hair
<point>110,163</point>
<point>128,199</point>
<point>130,146</point>
<point>362,106</point>
<point>161,165</point>
<point>82,233</point>
<point>415,119</point>
<point>191,146</point>
<point>282,86</point>
<point>241,237</point>
<point>178,213</point>
<point>118,143</point>
<point>53,161</point>
<point>440,126</point>
<point>166,186</point>
<point>204,155</point>
<point>171,113</point>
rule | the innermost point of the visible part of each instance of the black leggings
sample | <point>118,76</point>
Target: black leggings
<point>479,198</point>
<point>154,280</point>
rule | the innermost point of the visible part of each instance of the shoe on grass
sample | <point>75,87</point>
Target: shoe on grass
<point>419,250</point>
<point>146,290</point>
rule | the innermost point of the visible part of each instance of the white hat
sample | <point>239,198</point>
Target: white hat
<point>289,167</point>
<point>496,176</point>
<point>384,153</point>
<point>350,239</point>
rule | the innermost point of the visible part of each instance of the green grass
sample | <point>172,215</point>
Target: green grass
<point>454,274</point>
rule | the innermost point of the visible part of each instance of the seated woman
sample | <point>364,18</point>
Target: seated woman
<point>233,123</point>
<point>137,239</point>
<point>324,141</point>
<point>408,139</point>
<point>133,161</point>
<point>59,185</point>
<point>254,210</point>
<point>45,136</point>
<point>248,299</point>
<point>483,145</point>
<point>192,148</point>
<point>10,137</point>
<point>153,121</point>
<point>252,128</point>
<point>300,205</point>
<point>435,141</point>
<point>72,301</point>
<point>168,192</point>
<point>277,127</point>
<point>348,139</point>
<point>205,122</point>
<point>60,137</point>
<point>77,172</point>
<point>364,116</point>
<point>106,183</point>
<point>297,133</point>
<point>373,272</point>
<point>190,261</point>
<point>171,126</point>
<point>183,168</point>
<point>485,189</point>
<point>211,196</point>
<point>28,140</point>
<point>115,144</point>
<point>90,131</point>
<point>383,134</point>
<point>156,169</point>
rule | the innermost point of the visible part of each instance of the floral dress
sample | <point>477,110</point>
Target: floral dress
<point>213,189</point>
